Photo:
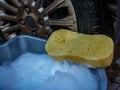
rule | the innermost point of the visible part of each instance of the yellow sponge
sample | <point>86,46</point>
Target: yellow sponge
<point>94,50</point>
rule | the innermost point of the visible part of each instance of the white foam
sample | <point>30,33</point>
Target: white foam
<point>33,71</point>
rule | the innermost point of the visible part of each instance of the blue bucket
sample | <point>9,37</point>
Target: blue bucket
<point>19,45</point>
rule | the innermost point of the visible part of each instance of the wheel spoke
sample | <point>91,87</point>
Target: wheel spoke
<point>24,31</point>
<point>41,31</point>
<point>8,17</point>
<point>65,4</point>
<point>10,29</point>
<point>5,5</point>
<point>16,3</point>
<point>49,30</point>
<point>60,22</point>
<point>39,4</point>
<point>52,7</point>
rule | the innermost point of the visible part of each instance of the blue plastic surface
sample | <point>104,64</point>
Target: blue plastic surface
<point>23,44</point>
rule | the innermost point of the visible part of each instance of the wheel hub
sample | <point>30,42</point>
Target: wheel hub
<point>27,18</point>
<point>30,22</point>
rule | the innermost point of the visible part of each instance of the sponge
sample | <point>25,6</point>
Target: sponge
<point>94,50</point>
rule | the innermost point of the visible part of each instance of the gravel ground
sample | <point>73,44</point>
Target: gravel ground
<point>113,72</point>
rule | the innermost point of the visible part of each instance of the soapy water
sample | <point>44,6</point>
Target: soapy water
<point>61,81</point>
<point>31,70</point>
<point>66,81</point>
<point>41,72</point>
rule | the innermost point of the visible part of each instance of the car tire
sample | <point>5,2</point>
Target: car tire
<point>89,15</point>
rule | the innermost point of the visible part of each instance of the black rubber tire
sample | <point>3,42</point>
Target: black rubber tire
<point>89,15</point>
